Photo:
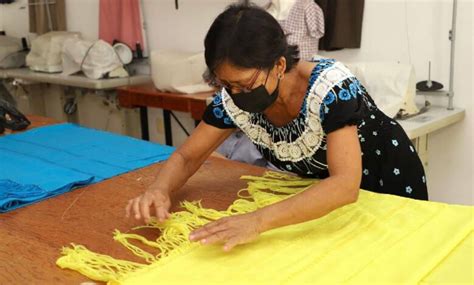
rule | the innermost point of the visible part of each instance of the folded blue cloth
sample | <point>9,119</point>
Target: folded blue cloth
<point>48,161</point>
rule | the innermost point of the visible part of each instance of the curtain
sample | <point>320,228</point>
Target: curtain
<point>343,23</point>
<point>39,20</point>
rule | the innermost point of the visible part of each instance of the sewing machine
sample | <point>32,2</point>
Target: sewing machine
<point>12,54</point>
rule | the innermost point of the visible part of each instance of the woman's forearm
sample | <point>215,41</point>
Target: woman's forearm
<point>172,175</point>
<point>177,170</point>
<point>315,202</point>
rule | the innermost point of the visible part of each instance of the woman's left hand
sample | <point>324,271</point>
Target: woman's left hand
<point>231,231</point>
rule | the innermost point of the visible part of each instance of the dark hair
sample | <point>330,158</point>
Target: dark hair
<point>248,37</point>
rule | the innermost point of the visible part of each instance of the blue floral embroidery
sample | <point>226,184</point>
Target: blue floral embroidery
<point>366,171</point>
<point>408,189</point>
<point>217,100</point>
<point>330,97</point>
<point>218,113</point>
<point>354,89</point>
<point>218,110</point>
<point>344,95</point>
<point>320,67</point>
<point>395,142</point>
<point>321,112</point>
<point>358,86</point>
<point>323,64</point>
<point>396,171</point>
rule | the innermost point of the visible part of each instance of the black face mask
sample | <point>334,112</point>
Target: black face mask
<point>255,101</point>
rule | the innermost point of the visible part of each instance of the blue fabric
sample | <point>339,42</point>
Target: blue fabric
<point>48,161</point>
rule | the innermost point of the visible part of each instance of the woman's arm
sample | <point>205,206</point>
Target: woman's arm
<point>181,165</point>
<point>339,189</point>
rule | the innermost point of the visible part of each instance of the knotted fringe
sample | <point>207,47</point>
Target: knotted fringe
<point>95,266</point>
<point>268,189</point>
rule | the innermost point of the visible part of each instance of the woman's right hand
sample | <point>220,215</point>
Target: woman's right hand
<point>158,201</point>
<point>176,171</point>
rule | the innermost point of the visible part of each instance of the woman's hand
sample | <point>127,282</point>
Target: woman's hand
<point>231,231</point>
<point>140,206</point>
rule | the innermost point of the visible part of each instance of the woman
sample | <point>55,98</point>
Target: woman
<point>313,119</point>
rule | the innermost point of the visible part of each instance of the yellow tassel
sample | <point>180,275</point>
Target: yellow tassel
<point>95,266</point>
<point>174,239</point>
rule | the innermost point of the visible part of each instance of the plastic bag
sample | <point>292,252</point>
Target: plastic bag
<point>95,59</point>
<point>180,72</point>
<point>46,49</point>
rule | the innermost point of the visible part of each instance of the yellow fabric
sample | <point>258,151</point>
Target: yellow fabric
<point>380,239</point>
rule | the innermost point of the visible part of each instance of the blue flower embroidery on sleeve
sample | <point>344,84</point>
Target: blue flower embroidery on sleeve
<point>354,89</point>
<point>321,112</point>
<point>344,95</point>
<point>217,100</point>
<point>330,97</point>
<point>228,121</point>
<point>218,113</point>
<point>360,89</point>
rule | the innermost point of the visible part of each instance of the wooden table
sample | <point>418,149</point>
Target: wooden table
<point>36,121</point>
<point>146,95</point>
<point>31,237</point>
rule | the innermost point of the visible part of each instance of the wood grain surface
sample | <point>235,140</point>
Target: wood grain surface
<point>31,237</point>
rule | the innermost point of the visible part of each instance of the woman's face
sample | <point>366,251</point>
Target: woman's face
<point>237,79</point>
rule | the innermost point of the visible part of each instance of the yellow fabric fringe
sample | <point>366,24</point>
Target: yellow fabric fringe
<point>372,240</point>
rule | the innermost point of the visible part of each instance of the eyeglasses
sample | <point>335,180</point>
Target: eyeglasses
<point>216,83</point>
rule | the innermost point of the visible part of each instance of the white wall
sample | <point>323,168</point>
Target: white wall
<point>451,168</point>
<point>83,16</point>
<point>409,31</point>
<point>416,32</point>
<point>14,18</point>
